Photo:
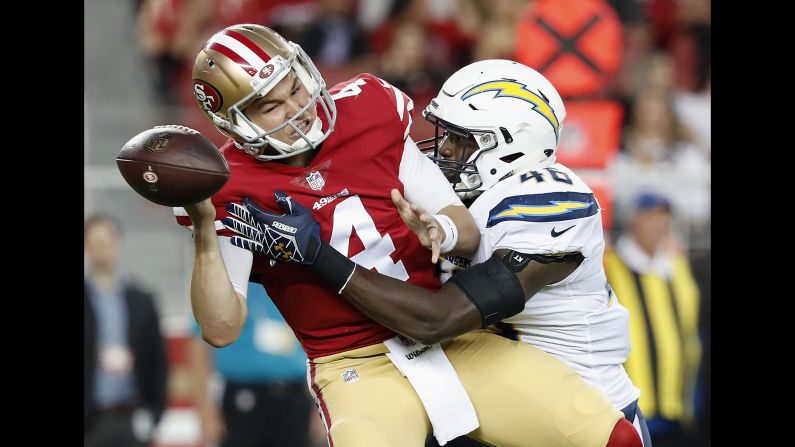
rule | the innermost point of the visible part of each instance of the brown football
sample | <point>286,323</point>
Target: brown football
<point>173,165</point>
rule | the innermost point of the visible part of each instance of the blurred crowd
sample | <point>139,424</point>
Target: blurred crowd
<point>637,70</point>
<point>649,57</point>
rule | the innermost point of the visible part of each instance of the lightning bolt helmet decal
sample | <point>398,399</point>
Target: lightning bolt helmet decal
<point>512,89</point>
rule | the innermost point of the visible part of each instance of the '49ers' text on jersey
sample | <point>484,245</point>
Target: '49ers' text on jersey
<point>347,187</point>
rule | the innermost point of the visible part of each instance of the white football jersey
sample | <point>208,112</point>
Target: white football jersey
<point>578,320</point>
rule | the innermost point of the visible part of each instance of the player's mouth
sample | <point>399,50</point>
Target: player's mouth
<point>449,170</point>
<point>452,176</point>
<point>304,125</point>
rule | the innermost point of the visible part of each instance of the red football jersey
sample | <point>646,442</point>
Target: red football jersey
<point>347,187</point>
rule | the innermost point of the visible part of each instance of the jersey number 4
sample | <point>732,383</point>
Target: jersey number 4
<point>350,214</point>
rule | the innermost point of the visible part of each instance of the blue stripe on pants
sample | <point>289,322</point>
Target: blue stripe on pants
<point>633,414</point>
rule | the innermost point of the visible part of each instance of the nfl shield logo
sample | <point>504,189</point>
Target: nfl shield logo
<point>316,181</point>
<point>350,376</point>
<point>159,143</point>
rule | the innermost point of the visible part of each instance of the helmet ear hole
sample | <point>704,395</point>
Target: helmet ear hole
<point>511,157</point>
<point>506,135</point>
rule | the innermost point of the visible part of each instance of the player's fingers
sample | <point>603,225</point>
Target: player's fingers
<point>434,235</point>
<point>400,203</point>
<point>406,214</point>
<point>246,244</point>
<point>240,212</point>
<point>435,244</point>
<point>258,213</point>
<point>418,210</point>
<point>428,220</point>
<point>240,227</point>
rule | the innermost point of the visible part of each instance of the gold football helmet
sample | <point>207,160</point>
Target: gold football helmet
<point>242,63</point>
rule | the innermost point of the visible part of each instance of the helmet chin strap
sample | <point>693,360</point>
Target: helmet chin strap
<point>469,181</point>
<point>315,132</point>
<point>465,195</point>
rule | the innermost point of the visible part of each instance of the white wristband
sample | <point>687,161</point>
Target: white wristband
<point>450,231</point>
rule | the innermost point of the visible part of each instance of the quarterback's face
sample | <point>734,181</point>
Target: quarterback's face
<point>456,147</point>
<point>283,102</point>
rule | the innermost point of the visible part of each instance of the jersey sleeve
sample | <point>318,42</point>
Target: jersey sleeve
<point>380,97</point>
<point>220,212</point>
<point>238,261</point>
<point>400,103</point>
<point>403,105</point>
<point>423,182</point>
<point>238,264</point>
<point>550,223</point>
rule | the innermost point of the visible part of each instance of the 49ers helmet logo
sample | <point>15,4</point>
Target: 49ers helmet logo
<point>266,71</point>
<point>208,96</point>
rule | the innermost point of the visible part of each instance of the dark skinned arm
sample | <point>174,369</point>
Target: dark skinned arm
<point>431,317</point>
<point>425,316</point>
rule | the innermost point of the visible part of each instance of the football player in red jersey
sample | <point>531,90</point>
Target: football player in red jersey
<point>371,386</point>
<point>500,123</point>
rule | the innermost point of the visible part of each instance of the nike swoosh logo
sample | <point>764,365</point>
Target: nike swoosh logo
<point>558,233</point>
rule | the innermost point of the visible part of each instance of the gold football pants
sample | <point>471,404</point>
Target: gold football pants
<point>522,396</point>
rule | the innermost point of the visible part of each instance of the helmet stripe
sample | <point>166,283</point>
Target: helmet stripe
<point>248,43</point>
<point>230,44</point>
<point>234,56</point>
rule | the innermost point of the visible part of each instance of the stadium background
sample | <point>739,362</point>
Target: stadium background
<point>622,66</point>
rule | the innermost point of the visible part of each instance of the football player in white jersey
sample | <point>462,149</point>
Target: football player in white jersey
<point>538,271</point>
<point>501,123</point>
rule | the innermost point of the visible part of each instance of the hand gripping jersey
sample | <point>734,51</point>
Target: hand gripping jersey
<point>347,187</point>
<point>578,320</point>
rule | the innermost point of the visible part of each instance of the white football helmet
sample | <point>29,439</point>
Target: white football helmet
<point>242,63</point>
<point>511,111</point>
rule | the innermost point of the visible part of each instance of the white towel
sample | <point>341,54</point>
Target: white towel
<point>437,385</point>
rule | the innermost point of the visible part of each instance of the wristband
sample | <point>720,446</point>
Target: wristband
<point>335,269</point>
<point>450,232</point>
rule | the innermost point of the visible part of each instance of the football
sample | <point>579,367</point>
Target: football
<point>173,165</point>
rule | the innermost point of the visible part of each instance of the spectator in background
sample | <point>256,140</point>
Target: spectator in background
<point>695,108</point>
<point>682,29</point>
<point>125,366</point>
<point>496,30</point>
<point>417,47</point>
<point>447,47</point>
<point>335,37</point>
<point>170,32</point>
<point>652,278</point>
<point>407,65</point>
<point>638,44</point>
<point>265,400</point>
<point>660,151</point>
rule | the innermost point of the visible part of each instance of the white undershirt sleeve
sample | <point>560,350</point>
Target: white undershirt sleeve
<point>238,263</point>
<point>423,182</point>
